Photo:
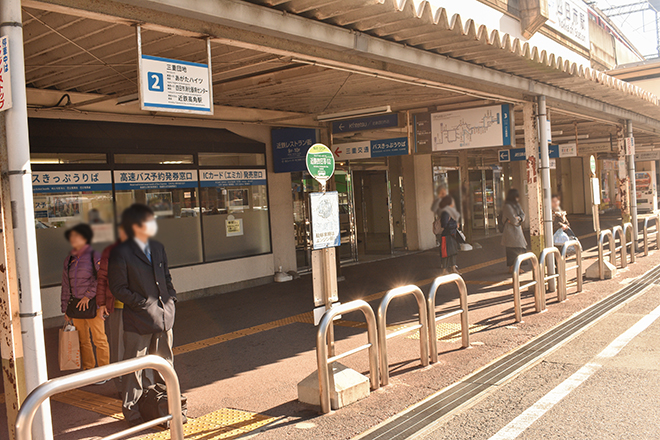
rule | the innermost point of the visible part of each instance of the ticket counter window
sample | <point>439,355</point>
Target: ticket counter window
<point>61,201</point>
<point>173,197</point>
<point>235,213</point>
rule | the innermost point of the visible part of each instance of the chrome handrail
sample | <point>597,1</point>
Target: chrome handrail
<point>578,260</point>
<point>601,251</point>
<point>618,231</point>
<point>629,227</point>
<point>58,385</point>
<point>382,328</point>
<point>322,360</point>
<point>561,276</point>
<point>517,287</point>
<point>463,311</point>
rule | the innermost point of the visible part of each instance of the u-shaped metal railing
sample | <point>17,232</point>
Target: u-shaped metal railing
<point>575,244</point>
<point>58,385</point>
<point>463,311</point>
<point>560,276</point>
<point>628,228</point>
<point>602,254</point>
<point>656,232</point>
<point>529,256</point>
<point>382,328</point>
<point>617,231</point>
<point>322,360</point>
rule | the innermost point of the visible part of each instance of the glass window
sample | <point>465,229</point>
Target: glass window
<point>232,159</point>
<point>173,197</point>
<point>62,200</point>
<point>235,209</point>
<point>161,159</point>
<point>67,158</point>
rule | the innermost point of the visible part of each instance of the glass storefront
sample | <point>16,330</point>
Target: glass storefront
<point>210,205</point>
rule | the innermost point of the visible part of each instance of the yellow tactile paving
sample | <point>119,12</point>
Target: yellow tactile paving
<point>92,402</point>
<point>225,423</point>
<point>450,332</point>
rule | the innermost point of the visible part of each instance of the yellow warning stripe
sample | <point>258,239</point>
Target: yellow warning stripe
<point>91,402</point>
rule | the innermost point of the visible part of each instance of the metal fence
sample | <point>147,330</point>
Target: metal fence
<point>324,363</point>
<point>560,276</point>
<point>573,244</point>
<point>382,328</point>
<point>529,256</point>
<point>34,400</point>
<point>463,311</point>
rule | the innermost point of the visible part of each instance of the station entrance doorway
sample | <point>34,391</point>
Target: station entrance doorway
<point>371,211</point>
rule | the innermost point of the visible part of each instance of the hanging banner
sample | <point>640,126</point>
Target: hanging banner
<point>223,178</point>
<point>154,179</point>
<point>71,181</point>
<point>472,128</point>
<point>5,75</point>
<point>290,147</point>
<point>369,149</point>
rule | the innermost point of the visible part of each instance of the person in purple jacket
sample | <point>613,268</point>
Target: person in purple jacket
<point>79,279</point>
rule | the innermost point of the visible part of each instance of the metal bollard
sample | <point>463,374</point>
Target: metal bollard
<point>646,232</point>
<point>463,311</point>
<point>561,276</point>
<point>578,260</point>
<point>517,287</point>
<point>618,231</point>
<point>382,328</point>
<point>322,359</point>
<point>601,251</point>
<point>628,227</point>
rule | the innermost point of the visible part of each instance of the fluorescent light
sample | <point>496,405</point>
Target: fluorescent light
<point>355,113</point>
<point>123,100</point>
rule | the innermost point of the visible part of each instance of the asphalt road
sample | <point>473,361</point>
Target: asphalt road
<point>602,384</point>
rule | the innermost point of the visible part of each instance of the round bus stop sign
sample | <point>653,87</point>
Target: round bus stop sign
<point>320,163</point>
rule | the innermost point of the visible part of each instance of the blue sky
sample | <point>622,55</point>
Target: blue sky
<point>638,27</point>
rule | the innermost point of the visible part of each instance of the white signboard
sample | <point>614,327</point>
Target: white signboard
<point>568,150</point>
<point>71,181</point>
<point>325,219</point>
<point>645,156</point>
<point>571,19</point>
<point>473,128</point>
<point>585,150</point>
<point>175,86</point>
<point>629,143</point>
<point>5,75</point>
<point>154,179</point>
<point>595,191</point>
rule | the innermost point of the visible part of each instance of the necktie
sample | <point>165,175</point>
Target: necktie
<point>147,251</point>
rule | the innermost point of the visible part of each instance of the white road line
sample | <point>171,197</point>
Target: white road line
<point>518,425</point>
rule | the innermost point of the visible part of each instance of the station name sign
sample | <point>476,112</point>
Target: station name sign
<point>571,19</point>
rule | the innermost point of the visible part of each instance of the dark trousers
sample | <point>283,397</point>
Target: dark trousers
<point>115,331</point>
<point>136,345</point>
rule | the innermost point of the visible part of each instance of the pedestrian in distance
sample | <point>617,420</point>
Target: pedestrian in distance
<point>139,277</point>
<point>112,309</point>
<point>449,242</point>
<point>513,238</point>
<point>79,291</point>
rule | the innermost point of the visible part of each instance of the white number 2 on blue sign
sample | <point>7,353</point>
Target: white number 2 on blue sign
<point>155,81</point>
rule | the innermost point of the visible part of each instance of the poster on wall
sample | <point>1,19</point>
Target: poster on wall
<point>325,219</point>
<point>472,128</point>
<point>234,226</point>
<point>571,19</point>
<point>64,208</point>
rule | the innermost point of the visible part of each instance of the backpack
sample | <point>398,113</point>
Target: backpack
<point>153,403</point>
<point>500,222</point>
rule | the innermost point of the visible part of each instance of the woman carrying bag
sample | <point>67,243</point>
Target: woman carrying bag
<point>513,238</point>
<point>79,296</point>
<point>449,239</point>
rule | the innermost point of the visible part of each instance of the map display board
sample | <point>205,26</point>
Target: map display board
<point>472,128</point>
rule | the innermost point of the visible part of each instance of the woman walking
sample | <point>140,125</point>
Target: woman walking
<point>79,296</point>
<point>449,218</point>
<point>513,238</point>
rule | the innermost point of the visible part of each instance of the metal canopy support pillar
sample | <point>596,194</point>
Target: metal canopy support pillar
<point>20,189</point>
<point>532,181</point>
<point>546,187</point>
<point>633,185</point>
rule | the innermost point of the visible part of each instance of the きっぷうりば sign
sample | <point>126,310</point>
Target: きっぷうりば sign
<point>154,179</point>
<point>5,75</point>
<point>175,86</point>
<point>222,178</point>
<point>71,181</point>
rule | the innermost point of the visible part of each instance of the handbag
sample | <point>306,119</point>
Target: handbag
<point>69,348</point>
<point>437,226</point>
<point>448,246</point>
<point>72,310</point>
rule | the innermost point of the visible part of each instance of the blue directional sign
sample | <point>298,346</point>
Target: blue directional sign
<point>290,147</point>
<point>518,154</point>
<point>553,151</point>
<point>504,156</point>
<point>367,123</point>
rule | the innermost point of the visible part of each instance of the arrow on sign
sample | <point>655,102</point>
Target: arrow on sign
<point>337,152</point>
<point>341,127</point>
<point>504,155</point>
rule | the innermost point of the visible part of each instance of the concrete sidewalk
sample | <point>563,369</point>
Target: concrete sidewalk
<point>247,350</point>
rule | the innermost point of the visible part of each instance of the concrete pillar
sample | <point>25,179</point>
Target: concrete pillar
<point>622,178</point>
<point>532,178</point>
<point>418,198</point>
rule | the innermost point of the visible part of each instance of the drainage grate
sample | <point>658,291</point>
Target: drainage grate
<point>427,412</point>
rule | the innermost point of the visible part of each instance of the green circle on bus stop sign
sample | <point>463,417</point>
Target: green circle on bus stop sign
<point>592,164</point>
<point>320,162</point>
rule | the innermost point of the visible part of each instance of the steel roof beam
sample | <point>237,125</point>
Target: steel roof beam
<point>237,23</point>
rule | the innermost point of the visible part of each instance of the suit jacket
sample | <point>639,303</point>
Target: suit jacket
<point>144,287</point>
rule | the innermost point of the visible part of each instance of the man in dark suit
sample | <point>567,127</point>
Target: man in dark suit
<point>138,276</point>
